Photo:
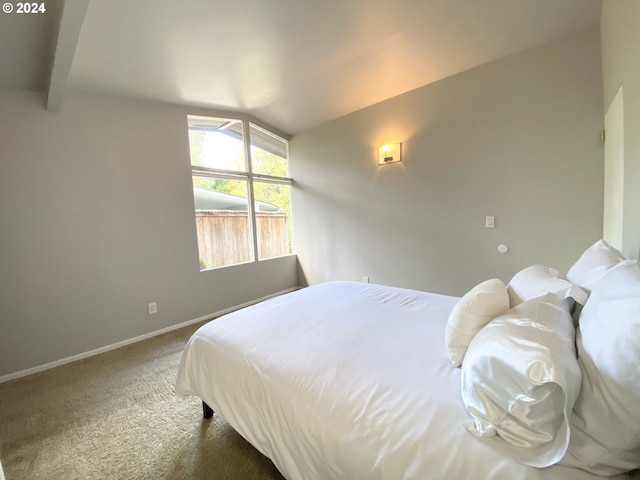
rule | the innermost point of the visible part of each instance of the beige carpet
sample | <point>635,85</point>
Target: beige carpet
<point>115,416</point>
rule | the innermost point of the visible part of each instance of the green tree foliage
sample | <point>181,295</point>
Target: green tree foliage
<point>269,164</point>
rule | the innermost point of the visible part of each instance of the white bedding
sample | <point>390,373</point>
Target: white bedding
<point>346,380</point>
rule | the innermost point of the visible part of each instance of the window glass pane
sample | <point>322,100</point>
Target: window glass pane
<point>216,143</point>
<point>273,219</point>
<point>269,153</point>
<point>222,221</point>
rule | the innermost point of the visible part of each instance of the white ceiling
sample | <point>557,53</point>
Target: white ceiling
<point>291,63</point>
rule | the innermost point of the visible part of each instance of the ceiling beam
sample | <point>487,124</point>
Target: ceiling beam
<point>73,12</point>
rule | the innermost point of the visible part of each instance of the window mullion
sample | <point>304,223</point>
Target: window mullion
<point>218,172</point>
<point>253,224</point>
<point>202,173</point>
<point>261,177</point>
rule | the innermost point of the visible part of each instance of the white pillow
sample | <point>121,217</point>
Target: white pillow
<point>537,280</point>
<point>520,379</point>
<point>596,260</point>
<point>605,426</point>
<point>472,312</point>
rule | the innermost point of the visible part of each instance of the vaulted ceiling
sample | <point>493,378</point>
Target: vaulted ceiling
<point>293,64</point>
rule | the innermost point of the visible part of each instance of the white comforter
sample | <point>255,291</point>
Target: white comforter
<point>348,381</point>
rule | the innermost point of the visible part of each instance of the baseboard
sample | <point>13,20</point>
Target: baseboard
<point>97,351</point>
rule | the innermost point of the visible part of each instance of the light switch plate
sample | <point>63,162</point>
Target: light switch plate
<point>489,221</point>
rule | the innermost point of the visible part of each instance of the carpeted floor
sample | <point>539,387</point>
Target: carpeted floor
<point>115,416</point>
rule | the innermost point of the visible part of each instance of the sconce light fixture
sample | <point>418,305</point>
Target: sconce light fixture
<point>389,153</point>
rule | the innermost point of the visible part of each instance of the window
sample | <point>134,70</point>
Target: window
<point>241,191</point>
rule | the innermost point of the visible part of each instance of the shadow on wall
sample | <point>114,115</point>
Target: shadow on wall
<point>302,281</point>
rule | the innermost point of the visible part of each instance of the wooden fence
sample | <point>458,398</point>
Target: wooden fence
<point>223,236</point>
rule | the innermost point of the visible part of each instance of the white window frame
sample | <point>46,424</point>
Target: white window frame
<point>249,177</point>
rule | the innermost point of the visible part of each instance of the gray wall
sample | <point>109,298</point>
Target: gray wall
<point>96,221</point>
<point>517,138</point>
<point>620,27</point>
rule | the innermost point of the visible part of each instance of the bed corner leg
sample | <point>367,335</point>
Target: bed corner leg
<point>207,411</point>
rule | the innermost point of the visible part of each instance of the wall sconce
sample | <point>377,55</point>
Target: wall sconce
<point>389,153</point>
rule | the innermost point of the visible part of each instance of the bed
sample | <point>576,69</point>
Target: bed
<point>347,380</point>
